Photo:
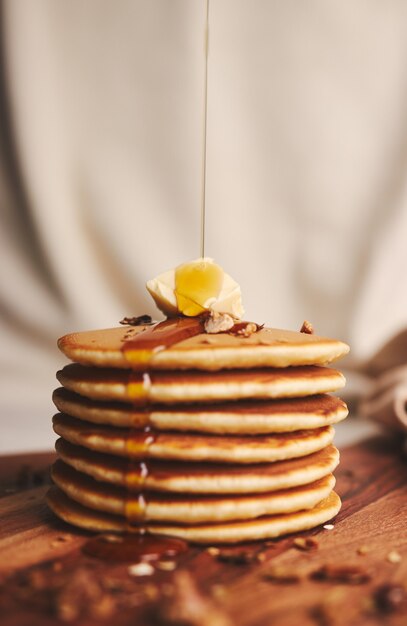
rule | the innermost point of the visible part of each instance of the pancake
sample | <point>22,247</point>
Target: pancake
<point>230,532</point>
<point>268,347</point>
<point>225,437</point>
<point>243,418</point>
<point>190,509</point>
<point>194,386</point>
<point>192,447</point>
<point>206,478</point>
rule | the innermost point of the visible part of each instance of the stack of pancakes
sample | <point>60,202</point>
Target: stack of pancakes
<point>211,438</point>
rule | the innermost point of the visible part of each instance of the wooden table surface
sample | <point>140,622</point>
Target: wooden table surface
<point>355,574</point>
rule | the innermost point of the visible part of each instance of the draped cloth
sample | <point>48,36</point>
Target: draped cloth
<point>385,400</point>
<point>101,109</point>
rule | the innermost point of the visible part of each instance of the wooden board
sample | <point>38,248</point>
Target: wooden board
<point>47,580</point>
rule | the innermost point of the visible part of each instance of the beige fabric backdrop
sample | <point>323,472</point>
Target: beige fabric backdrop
<point>100,175</point>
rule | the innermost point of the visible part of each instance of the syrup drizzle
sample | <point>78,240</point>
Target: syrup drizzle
<point>137,451</point>
<point>139,352</point>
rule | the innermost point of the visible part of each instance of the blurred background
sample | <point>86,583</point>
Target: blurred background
<point>101,113</point>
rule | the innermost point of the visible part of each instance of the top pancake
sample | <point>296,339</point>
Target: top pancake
<point>268,347</point>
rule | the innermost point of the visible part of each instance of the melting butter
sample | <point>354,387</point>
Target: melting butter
<point>196,287</point>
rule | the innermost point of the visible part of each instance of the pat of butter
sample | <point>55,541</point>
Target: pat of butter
<point>196,287</point>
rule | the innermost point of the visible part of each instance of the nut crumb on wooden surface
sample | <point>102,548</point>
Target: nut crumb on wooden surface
<point>188,606</point>
<point>166,566</point>
<point>329,611</point>
<point>305,543</point>
<point>219,591</point>
<point>350,574</point>
<point>83,594</point>
<point>394,557</point>
<point>281,574</point>
<point>390,598</point>
<point>58,541</point>
<point>141,569</point>
<point>239,556</point>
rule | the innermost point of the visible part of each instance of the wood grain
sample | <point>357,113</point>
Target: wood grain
<point>47,580</point>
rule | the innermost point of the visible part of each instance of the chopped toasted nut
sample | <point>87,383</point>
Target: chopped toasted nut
<point>394,557</point>
<point>282,575</point>
<point>218,323</point>
<point>105,608</point>
<point>219,591</point>
<point>141,320</point>
<point>113,538</point>
<point>307,328</point>
<point>58,541</point>
<point>328,611</point>
<point>83,594</point>
<point>213,551</point>
<point>350,574</point>
<point>305,543</point>
<point>188,606</point>
<point>328,526</point>
<point>167,590</point>
<point>248,330</point>
<point>390,598</point>
<point>245,329</point>
<point>166,566</point>
<point>368,604</point>
<point>241,557</point>
<point>151,592</point>
<point>141,569</point>
<point>72,592</point>
<point>37,579</point>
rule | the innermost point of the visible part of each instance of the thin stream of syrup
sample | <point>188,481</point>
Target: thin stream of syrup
<point>205,132</point>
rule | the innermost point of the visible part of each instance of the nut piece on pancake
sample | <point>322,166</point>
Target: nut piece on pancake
<point>202,427</point>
